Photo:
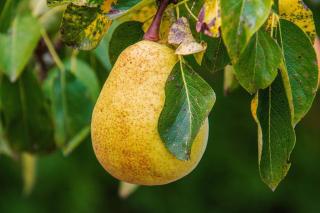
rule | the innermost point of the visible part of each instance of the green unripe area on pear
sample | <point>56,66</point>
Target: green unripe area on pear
<point>125,119</point>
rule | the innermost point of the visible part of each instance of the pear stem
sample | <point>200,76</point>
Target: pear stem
<point>153,32</point>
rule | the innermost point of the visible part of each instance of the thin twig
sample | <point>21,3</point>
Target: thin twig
<point>52,50</point>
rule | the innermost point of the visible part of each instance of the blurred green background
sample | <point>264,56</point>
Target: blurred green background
<point>226,180</point>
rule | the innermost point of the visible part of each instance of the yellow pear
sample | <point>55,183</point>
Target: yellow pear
<point>125,119</point>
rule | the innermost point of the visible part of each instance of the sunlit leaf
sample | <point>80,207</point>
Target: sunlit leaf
<point>209,19</point>
<point>240,20</point>
<point>18,45</point>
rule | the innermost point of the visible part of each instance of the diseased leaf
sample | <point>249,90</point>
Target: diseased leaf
<point>189,99</point>
<point>17,46</point>
<point>258,65</point>
<point>91,3</point>
<point>276,136</point>
<point>209,19</point>
<point>83,27</point>
<point>26,120</point>
<point>297,12</point>
<point>299,67</point>
<point>180,34</point>
<point>240,20</point>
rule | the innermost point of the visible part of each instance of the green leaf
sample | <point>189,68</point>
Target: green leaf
<point>240,20</point>
<point>72,98</point>
<point>17,46</point>
<point>83,27</point>
<point>276,136</point>
<point>127,7</point>
<point>7,14</point>
<point>76,140</point>
<point>86,75</point>
<point>27,123</point>
<point>125,4</point>
<point>216,56</point>
<point>189,99</point>
<point>4,145</point>
<point>119,39</point>
<point>299,67</point>
<point>101,52</point>
<point>91,3</point>
<point>258,65</point>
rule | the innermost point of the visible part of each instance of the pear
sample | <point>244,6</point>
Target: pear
<point>125,119</point>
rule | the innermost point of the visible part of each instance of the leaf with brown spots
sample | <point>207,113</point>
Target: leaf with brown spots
<point>83,27</point>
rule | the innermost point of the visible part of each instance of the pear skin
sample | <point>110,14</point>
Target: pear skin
<point>124,125</point>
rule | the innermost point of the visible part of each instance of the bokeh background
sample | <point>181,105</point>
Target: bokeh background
<point>226,180</point>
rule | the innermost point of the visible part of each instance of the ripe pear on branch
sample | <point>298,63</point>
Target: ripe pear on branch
<point>124,125</point>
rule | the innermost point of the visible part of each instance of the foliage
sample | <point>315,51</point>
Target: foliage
<point>46,102</point>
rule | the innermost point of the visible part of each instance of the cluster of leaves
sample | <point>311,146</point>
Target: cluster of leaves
<point>258,48</point>
<point>46,100</point>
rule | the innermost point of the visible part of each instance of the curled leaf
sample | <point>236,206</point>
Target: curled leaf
<point>180,34</point>
<point>193,47</point>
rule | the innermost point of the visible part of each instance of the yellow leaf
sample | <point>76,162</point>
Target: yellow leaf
<point>106,7</point>
<point>126,189</point>
<point>28,172</point>
<point>296,12</point>
<point>145,14</point>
